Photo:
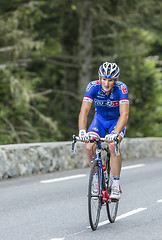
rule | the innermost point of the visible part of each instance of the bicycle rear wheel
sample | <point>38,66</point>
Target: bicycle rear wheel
<point>112,205</point>
<point>94,198</point>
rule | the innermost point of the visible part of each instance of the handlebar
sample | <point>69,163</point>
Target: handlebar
<point>95,139</point>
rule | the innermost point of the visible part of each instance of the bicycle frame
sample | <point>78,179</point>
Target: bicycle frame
<point>103,193</point>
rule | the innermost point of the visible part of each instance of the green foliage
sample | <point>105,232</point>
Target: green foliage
<point>143,100</point>
<point>21,120</point>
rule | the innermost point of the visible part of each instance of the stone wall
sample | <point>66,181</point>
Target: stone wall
<point>27,159</point>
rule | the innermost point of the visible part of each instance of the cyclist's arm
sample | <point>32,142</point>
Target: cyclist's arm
<point>124,114</point>
<point>85,108</point>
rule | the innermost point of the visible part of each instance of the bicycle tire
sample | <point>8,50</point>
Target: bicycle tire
<point>111,205</point>
<point>94,201</point>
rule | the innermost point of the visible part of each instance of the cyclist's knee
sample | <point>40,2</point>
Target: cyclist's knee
<point>89,147</point>
<point>112,148</point>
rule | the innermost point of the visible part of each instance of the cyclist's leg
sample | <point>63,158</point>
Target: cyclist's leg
<point>96,130</point>
<point>116,161</point>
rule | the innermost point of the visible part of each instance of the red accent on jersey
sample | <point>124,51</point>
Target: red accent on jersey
<point>88,97</point>
<point>115,103</point>
<point>124,89</point>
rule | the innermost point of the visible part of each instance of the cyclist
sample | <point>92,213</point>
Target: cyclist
<point>110,98</point>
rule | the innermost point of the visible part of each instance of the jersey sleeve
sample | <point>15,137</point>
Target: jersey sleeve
<point>123,94</point>
<point>89,94</point>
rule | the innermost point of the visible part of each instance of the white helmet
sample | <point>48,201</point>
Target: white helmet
<point>109,70</point>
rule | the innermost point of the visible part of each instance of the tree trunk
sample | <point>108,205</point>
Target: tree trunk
<point>85,45</point>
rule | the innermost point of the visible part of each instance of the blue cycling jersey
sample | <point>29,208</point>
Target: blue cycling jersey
<point>107,105</point>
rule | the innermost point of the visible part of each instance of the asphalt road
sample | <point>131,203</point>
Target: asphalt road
<point>54,206</point>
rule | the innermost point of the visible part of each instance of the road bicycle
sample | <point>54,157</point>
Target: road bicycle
<point>100,182</point>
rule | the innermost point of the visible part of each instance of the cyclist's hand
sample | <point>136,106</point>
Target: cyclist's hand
<point>110,137</point>
<point>83,135</point>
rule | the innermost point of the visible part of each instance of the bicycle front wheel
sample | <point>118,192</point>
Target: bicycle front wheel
<point>94,198</point>
<point>112,205</point>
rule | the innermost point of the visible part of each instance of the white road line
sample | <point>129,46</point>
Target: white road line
<point>133,166</point>
<point>159,200</point>
<point>63,178</point>
<point>122,216</point>
<point>130,213</point>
